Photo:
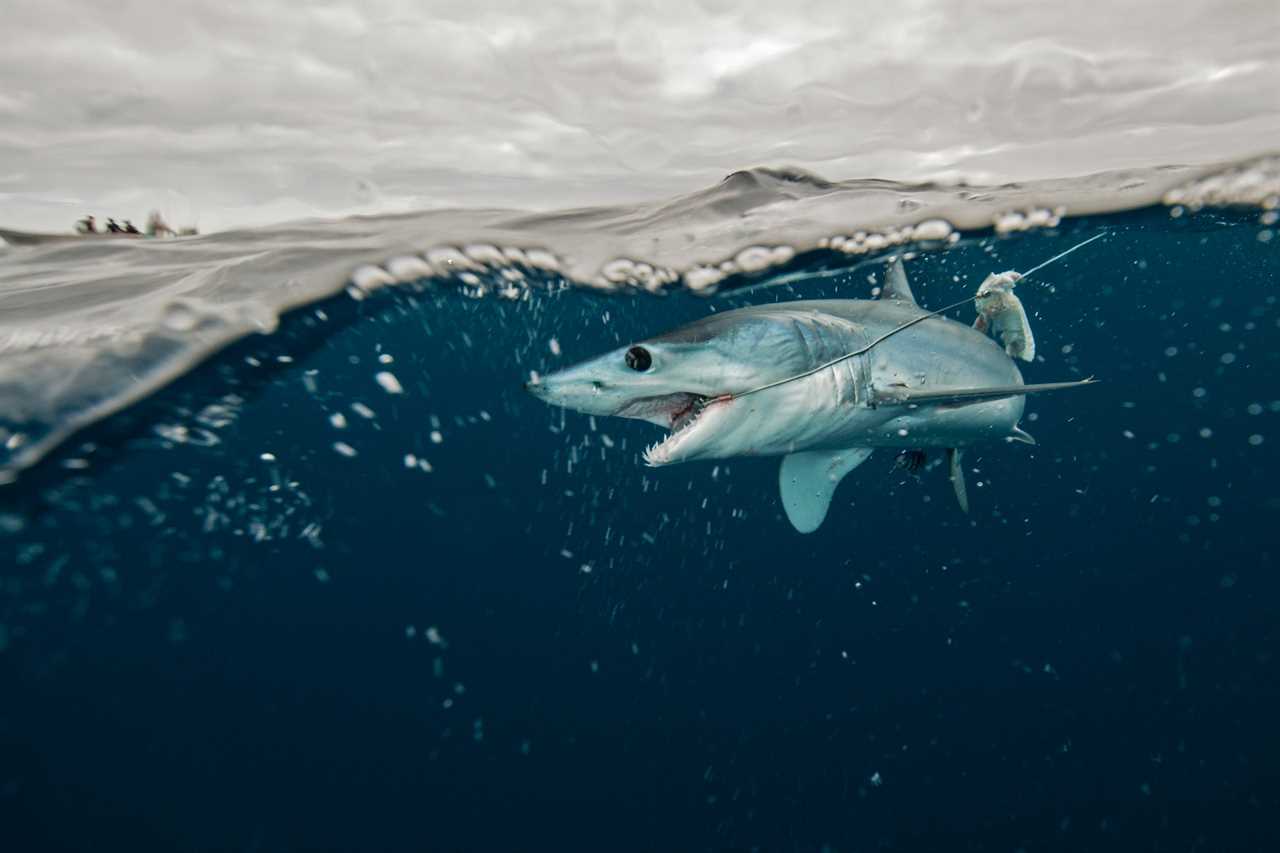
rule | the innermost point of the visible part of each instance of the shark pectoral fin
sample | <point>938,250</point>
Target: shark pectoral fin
<point>895,284</point>
<point>904,396</point>
<point>957,478</point>
<point>809,479</point>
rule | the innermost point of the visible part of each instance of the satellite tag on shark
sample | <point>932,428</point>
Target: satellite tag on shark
<point>821,383</point>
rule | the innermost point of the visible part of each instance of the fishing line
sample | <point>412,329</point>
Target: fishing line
<point>907,325</point>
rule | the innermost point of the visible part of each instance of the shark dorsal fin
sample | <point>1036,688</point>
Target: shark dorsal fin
<point>809,479</point>
<point>895,284</point>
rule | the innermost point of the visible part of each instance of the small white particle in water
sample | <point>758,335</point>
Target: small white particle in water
<point>410,461</point>
<point>344,448</point>
<point>1171,351</point>
<point>284,359</point>
<point>338,420</point>
<point>595,666</point>
<point>1066,349</point>
<point>1227,357</point>
<point>902,432</point>
<point>436,437</point>
<point>554,346</point>
<point>1214,500</point>
<point>876,779</point>
<point>410,631</point>
<point>1198,392</point>
<point>1255,408</point>
<point>1128,434</point>
<point>586,568</point>
<point>389,383</point>
<point>322,575</point>
<point>1205,432</point>
<point>434,637</point>
<point>268,457</point>
<point>385,358</point>
<point>1255,439</point>
<point>363,411</point>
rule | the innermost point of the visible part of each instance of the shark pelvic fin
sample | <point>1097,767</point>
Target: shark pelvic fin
<point>957,478</point>
<point>1019,434</point>
<point>895,284</point>
<point>904,396</point>
<point>809,479</point>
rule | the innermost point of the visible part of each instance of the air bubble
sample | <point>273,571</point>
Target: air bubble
<point>388,381</point>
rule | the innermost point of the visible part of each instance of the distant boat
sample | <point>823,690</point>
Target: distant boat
<point>31,238</point>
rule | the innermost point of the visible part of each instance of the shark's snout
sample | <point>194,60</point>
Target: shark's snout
<point>574,389</point>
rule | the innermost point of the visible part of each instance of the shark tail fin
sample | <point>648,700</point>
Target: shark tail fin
<point>808,481</point>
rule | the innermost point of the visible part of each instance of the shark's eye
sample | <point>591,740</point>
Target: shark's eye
<point>638,358</point>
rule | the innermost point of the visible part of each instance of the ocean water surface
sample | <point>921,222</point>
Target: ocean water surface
<point>290,560</point>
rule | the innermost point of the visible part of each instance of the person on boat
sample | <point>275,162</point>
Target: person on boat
<point>112,226</point>
<point>130,228</point>
<point>87,225</point>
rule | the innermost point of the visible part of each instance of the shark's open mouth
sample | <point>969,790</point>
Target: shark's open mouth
<point>682,413</point>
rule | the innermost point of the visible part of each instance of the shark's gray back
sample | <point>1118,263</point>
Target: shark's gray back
<point>950,352</point>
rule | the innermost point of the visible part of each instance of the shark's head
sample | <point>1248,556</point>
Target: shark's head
<point>685,380</point>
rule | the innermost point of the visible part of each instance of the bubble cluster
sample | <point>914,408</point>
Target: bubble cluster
<point>480,265</point>
<point>1014,220</point>
<point>1255,183</point>
<point>869,242</point>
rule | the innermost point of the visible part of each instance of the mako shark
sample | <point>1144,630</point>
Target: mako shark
<point>821,383</point>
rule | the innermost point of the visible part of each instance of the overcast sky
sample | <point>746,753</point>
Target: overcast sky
<point>244,113</point>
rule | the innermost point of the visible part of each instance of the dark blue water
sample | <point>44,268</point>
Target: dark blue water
<point>540,644</point>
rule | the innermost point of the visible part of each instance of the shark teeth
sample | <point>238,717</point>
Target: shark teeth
<point>658,453</point>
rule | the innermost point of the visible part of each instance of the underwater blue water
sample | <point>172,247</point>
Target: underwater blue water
<point>232,624</point>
